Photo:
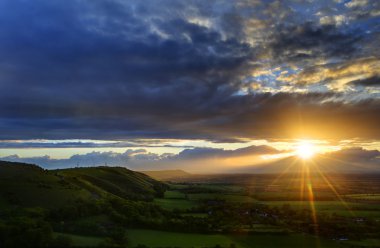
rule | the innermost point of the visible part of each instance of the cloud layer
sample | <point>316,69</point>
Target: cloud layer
<point>141,159</point>
<point>252,159</point>
<point>217,70</point>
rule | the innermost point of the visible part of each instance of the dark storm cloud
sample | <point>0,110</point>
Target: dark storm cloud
<point>309,41</point>
<point>259,116</point>
<point>371,81</point>
<point>165,69</point>
<point>82,144</point>
<point>26,144</point>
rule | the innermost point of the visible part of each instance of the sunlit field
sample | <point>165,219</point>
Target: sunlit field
<point>331,208</point>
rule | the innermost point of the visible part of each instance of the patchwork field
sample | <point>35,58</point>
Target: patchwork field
<point>172,239</point>
<point>339,202</point>
<point>81,241</point>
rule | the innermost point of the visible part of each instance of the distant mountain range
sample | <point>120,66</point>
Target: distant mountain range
<point>293,164</point>
<point>327,164</point>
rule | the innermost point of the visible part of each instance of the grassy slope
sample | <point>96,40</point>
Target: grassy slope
<point>30,186</point>
<point>112,180</point>
<point>81,241</point>
<point>187,240</point>
<point>161,239</point>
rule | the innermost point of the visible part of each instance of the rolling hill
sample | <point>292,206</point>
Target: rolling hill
<point>31,186</point>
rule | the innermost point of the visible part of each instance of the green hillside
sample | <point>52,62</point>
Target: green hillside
<point>31,186</point>
<point>79,206</point>
<point>116,181</point>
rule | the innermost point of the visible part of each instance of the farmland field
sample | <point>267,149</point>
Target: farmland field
<point>344,206</point>
<point>81,241</point>
<point>226,197</point>
<point>374,197</point>
<point>183,240</point>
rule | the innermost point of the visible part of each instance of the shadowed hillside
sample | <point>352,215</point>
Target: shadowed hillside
<point>30,186</point>
<point>73,207</point>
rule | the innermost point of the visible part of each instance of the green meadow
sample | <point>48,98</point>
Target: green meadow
<point>82,241</point>
<point>184,240</point>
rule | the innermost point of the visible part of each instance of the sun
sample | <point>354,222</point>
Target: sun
<point>305,150</point>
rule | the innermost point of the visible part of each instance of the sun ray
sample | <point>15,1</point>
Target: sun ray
<point>307,180</point>
<point>342,161</point>
<point>295,179</point>
<point>311,198</point>
<point>302,183</point>
<point>344,203</point>
<point>283,173</point>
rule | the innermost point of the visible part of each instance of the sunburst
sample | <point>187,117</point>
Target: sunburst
<point>305,150</point>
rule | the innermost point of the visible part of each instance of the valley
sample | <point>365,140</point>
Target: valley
<point>116,207</point>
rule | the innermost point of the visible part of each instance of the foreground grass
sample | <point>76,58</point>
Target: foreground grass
<point>162,239</point>
<point>81,241</point>
<point>285,241</point>
<point>186,240</point>
<point>325,205</point>
<point>364,243</point>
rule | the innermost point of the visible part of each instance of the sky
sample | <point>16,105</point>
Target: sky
<point>161,83</point>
